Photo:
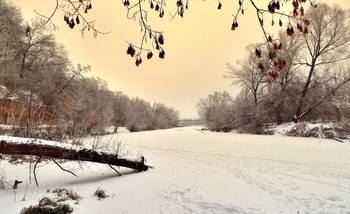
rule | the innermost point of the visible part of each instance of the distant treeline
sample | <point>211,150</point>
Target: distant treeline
<point>39,86</point>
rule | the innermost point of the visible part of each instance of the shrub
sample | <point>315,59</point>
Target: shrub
<point>48,209</point>
<point>53,205</point>
<point>100,193</point>
<point>64,194</point>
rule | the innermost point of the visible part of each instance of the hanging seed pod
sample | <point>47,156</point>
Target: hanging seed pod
<point>271,7</point>
<point>77,20</point>
<point>295,4</point>
<point>258,52</point>
<point>219,6</point>
<point>126,3</point>
<point>161,39</point>
<point>278,5</point>
<point>138,61</point>
<point>290,31</point>
<point>149,55</point>
<point>161,54</point>
<point>234,25</point>
<point>269,39</point>
<point>179,3</point>
<point>295,13</point>
<point>130,51</point>
<point>261,67</point>
<point>161,13</point>
<point>71,23</point>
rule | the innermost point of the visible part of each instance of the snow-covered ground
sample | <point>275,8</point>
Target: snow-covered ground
<point>202,172</point>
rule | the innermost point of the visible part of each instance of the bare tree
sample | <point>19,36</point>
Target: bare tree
<point>163,117</point>
<point>327,43</point>
<point>216,111</point>
<point>121,110</point>
<point>250,74</point>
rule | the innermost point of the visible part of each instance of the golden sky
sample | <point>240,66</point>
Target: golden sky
<point>197,48</point>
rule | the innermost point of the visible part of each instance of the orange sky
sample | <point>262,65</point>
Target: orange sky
<point>197,48</point>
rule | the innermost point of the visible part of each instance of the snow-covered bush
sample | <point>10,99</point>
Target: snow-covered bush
<point>54,205</point>
<point>320,130</point>
<point>49,208</point>
<point>100,194</point>
<point>216,111</point>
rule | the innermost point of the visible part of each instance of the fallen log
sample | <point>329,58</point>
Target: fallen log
<point>55,150</point>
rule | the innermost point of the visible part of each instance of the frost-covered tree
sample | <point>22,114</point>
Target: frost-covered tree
<point>121,110</point>
<point>11,32</point>
<point>216,111</point>
<point>326,44</point>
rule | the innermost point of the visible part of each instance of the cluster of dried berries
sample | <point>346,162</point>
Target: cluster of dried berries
<point>276,64</point>
<point>302,29</point>
<point>126,3</point>
<point>70,21</point>
<point>159,40</point>
<point>298,10</point>
<point>234,25</point>
<point>273,6</point>
<point>280,64</point>
<point>180,7</point>
<point>87,8</point>
<point>277,47</point>
<point>290,30</point>
<point>273,76</point>
<point>131,51</point>
<point>158,9</point>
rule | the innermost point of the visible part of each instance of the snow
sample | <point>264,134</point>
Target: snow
<point>197,171</point>
<point>3,92</point>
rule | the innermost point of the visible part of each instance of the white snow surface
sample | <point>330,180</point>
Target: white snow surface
<point>197,171</point>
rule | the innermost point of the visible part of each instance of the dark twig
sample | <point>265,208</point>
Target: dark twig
<point>63,168</point>
<point>114,169</point>
<point>49,18</point>
<point>34,171</point>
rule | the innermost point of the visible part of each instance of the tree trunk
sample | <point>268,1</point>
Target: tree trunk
<point>35,147</point>
<point>297,114</point>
